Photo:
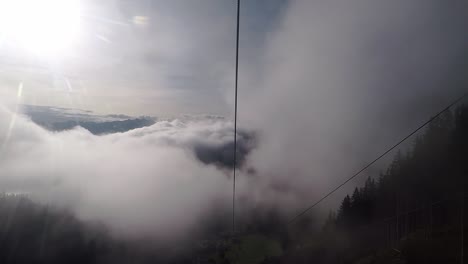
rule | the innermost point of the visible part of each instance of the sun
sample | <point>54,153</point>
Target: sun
<point>47,28</point>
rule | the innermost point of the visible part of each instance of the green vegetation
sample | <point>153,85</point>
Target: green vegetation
<point>249,249</point>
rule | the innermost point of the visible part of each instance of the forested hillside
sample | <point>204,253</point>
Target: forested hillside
<point>435,168</point>
<point>413,212</point>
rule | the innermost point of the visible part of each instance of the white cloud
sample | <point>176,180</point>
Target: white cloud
<point>340,81</point>
<point>141,182</point>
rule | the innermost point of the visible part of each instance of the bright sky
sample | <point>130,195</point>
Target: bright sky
<point>159,57</point>
<point>133,57</point>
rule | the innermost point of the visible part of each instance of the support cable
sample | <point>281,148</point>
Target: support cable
<point>378,158</point>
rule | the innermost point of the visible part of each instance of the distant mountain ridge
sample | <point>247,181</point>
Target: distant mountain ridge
<point>60,119</point>
<point>99,128</point>
<point>217,151</point>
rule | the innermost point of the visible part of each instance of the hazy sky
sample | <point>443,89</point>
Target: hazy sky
<point>135,57</point>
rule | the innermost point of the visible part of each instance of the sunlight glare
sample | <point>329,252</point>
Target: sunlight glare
<point>44,28</point>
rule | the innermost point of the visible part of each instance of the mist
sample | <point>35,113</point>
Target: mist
<point>333,85</point>
<point>341,81</point>
<point>142,182</point>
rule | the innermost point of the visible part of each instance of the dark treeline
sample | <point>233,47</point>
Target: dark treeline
<point>35,233</point>
<point>413,212</point>
<point>434,169</point>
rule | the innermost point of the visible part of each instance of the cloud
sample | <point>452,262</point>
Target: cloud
<point>211,143</point>
<point>169,182</point>
<point>144,182</point>
<point>340,81</point>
